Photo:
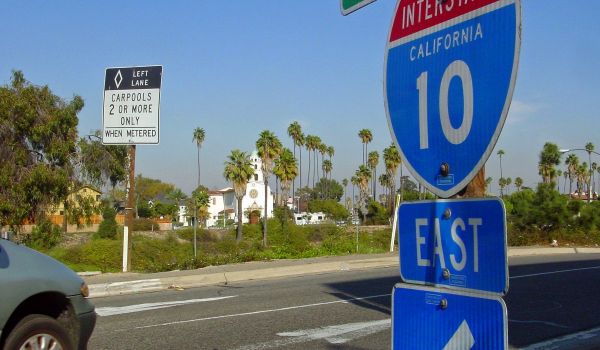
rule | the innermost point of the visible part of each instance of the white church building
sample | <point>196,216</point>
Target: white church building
<point>223,204</point>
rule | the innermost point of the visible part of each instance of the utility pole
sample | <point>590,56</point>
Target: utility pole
<point>129,210</point>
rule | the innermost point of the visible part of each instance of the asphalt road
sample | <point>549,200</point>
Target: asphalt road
<point>549,296</point>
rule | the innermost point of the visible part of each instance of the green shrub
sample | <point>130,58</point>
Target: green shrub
<point>44,235</point>
<point>144,224</point>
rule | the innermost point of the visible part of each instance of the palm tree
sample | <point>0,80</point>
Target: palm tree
<point>391,158</point>
<point>373,161</point>
<point>238,170</point>
<point>322,151</point>
<point>582,176</point>
<point>518,183</point>
<point>501,184</point>
<point>488,182</point>
<point>363,174</point>
<point>316,148</point>
<point>500,153</point>
<point>572,163</point>
<point>565,175</point>
<point>312,142</point>
<point>354,181</point>
<point>295,132</point>
<point>589,148</point>
<point>384,181</point>
<point>199,135</point>
<point>345,184</point>
<point>549,158</point>
<point>508,182</point>
<point>327,167</point>
<point>269,147</point>
<point>594,167</point>
<point>558,175</point>
<point>286,170</point>
<point>366,137</point>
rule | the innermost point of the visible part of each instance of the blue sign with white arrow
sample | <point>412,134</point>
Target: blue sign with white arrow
<point>454,243</point>
<point>450,73</point>
<point>429,318</point>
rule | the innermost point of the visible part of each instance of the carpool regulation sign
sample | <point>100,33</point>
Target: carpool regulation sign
<point>449,77</point>
<point>131,105</point>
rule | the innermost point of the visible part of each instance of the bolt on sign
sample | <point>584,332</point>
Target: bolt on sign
<point>130,114</point>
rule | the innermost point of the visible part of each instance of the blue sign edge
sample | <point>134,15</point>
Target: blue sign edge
<point>462,184</point>
<point>453,292</point>
<point>450,287</point>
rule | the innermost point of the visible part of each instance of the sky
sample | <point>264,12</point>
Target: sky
<point>237,67</point>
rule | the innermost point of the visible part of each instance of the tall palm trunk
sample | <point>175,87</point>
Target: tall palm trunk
<point>294,181</point>
<point>308,174</point>
<point>300,151</point>
<point>238,236</point>
<point>266,215</point>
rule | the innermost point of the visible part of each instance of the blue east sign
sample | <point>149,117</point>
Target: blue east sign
<point>455,244</point>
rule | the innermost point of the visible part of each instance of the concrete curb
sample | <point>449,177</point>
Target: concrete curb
<point>195,279</point>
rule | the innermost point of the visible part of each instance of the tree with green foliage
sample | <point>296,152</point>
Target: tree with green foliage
<point>392,160</point>
<point>328,189</point>
<point>518,183</point>
<point>366,136</point>
<point>108,226</point>
<point>327,168</point>
<point>286,170</point>
<point>572,163</point>
<point>238,170</point>
<point>331,207</point>
<point>269,147</point>
<point>549,159</point>
<point>376,214</point>
<point>363,174</point>
<point>198,138</point>
<point>295,132</point>
<point>488,183</point>
<point>372,162</point>
<point>147,189</point>
<point>345,184</point>
<point>39,133</point>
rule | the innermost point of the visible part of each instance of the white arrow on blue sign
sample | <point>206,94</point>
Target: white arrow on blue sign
<point>429,318</point>
<point>454,243</point>
<point>450,72</point>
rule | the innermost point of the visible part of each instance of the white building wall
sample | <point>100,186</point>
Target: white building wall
<point>253,199</point>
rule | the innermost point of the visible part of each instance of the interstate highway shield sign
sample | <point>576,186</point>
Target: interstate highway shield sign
<point>449,77</point>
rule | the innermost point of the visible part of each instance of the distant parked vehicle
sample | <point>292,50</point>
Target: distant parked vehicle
<point>43,303</point>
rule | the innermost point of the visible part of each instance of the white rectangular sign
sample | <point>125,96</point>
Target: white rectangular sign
<point>131,105</point>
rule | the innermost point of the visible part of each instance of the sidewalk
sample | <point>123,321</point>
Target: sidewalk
<point>127,283</point>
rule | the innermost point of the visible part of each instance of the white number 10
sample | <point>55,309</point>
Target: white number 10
<point>455,136</point>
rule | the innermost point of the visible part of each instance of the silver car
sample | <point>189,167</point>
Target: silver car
<point>43,303</point>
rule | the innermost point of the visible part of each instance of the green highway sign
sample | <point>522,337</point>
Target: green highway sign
<point>349,6</point>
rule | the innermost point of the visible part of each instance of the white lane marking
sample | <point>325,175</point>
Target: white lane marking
<point>542,322</point>
<point>570,341</point>
<point>345,301</point>
<point>336,334</point>
<point>554,272</point>
<point>119,310</point>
